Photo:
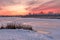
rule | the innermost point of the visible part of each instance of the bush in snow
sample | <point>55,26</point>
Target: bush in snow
<point>14,26</point>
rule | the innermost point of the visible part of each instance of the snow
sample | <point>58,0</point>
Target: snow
<point>46,29</point>
<point>19,34</point>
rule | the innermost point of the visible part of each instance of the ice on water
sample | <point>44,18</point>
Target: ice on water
<point>46,29</point>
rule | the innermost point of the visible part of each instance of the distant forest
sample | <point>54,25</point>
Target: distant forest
<point>43,15</point>
<point>37,15</point>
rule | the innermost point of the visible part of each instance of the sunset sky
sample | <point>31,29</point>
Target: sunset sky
<point>23,7</point>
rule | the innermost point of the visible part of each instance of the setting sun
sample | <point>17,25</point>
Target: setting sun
<point>17,9</point>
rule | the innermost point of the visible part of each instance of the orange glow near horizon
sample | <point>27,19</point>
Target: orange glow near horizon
<point>45,11</point>
<point>20,10</point>
<point>14,10</point>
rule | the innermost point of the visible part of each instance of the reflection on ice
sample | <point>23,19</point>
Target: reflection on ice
<point>43,32</point>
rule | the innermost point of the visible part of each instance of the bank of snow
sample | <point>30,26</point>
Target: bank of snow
<point>20,34</point>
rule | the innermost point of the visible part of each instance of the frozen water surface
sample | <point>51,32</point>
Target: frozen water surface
<point>46,29</point>
<point>19,34</point>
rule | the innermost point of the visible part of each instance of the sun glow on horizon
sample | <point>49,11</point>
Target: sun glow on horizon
<point>23,7</point>
<point>17,9</point>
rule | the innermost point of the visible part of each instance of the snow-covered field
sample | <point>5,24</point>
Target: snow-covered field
<point>22,35</point>
<point>46,29</point>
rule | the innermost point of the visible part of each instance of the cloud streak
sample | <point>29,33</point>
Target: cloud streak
<point>52,5</point>
<point>31,5</point>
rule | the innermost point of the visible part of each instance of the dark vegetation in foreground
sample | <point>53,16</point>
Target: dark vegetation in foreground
<point>13,26</point>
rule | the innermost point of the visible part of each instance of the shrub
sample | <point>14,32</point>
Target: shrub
<point>27,27</point>
<point>10,26</point>
<point>2,27</point>
<point>14,26</point>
